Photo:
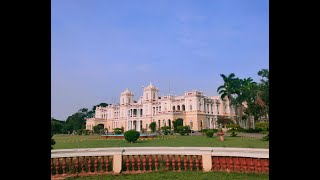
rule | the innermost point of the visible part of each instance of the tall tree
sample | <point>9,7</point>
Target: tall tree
<point>229,89</point>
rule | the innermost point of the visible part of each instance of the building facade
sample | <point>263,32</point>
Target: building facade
<point>197,111</point>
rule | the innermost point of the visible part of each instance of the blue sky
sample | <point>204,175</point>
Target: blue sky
<point>101,47</point>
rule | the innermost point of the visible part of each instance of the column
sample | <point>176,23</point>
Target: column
<point>206,159</point>
<point>138,125</point>
<point>117,161</point>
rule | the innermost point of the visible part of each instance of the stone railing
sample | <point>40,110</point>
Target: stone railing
<point>93,161</point>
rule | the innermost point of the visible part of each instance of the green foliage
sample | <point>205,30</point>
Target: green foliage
<point>266,137</point>
<point>98,129</point>
<point>264,126</point>
<point>176,123</point>
<point>183,130</point>
<point>233,128</point>
<point>152,126</point>
<point>254,95</point>
<point>165,130</point>
<point>79,131</point>
<point>209,133</point>
<point>117,130</point>
<point>250,130</point>
<point>224,120</point>
<point>52,141</point>
<point>131,136</point>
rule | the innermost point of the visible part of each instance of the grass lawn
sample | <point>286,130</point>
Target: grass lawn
<point>179,175</point>
<point>94,141</point>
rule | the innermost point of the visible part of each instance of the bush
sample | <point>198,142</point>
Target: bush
<point>182,130</point>
<point>250,130</point>
<point>233,128</point>
<point>131,136</point>
<point>117,130</point>
<point>178,122</point>
<point>152,126</point>
<point>204,131</point>
<point>265,138</point>
<point>263,126</point>
<point>165,130</point>
<point>53,142</point>
<point>79,131</point>
<point>86,132</point>
<point>214,130</point>
<point>209,133</point>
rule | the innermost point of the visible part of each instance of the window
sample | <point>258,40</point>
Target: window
<point>122,100</point>
<point>190,107</point>
<point>147,96</point>
<point>154,95</point>
<point>129,100</point>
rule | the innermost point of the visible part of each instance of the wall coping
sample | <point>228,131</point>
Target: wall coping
<point>214,151</point>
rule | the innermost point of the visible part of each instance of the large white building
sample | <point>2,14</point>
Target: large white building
<point>196,110</point>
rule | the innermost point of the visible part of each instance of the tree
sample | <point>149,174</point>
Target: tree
<point>93,110</point>
<point>224,120</point>
<point>152,126</point>
<point>176,123</point>
<point>56,127</point>
<point>229,88</point>
<point>98,129</point>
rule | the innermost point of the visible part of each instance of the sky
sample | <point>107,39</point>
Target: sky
<point>101,47</point>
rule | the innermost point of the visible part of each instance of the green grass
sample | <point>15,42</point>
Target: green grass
<point>94,141</point>
<point>179,176</point>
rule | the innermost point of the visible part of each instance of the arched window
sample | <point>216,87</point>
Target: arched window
<point>190,107</point>
<point>183,107</point>
<point>173,108</point>
<point>154,95</point>
<point>147,96</point>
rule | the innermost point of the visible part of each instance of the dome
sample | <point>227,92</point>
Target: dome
<point>127,92</point>
<point>151,86</point>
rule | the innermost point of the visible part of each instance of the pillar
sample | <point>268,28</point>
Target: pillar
<point>117,161</point>
<point>206,159</point>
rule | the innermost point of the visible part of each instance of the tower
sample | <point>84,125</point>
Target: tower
<point>126,97</point>
<point>150,93</point>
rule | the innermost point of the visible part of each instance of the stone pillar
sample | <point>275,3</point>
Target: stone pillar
<point>138,125</point>
<point>117,161</point>
<point>206,159</point>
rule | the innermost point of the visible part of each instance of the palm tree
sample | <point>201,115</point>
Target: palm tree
<point>229,88</point>
<point>247,94</point>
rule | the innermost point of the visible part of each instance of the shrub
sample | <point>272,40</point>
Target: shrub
<point>263,126</point>
<point>152,126</point>
<point>117,130</point>
<point>79,131</point>
<point>204,131</point>
<point>214,130</point>
<point>178,122</point>
<point>209,133</point>
<point>86,132</point>
<point>131,136</point>
<point>265,138</point>
<point>97,129</point>
<point>165,130</point>
<point>182,130</point>
<point>53,142</point>
<point>233,128</point>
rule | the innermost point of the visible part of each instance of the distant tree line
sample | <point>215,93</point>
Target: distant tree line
<point>75,122</point>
